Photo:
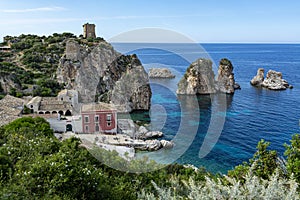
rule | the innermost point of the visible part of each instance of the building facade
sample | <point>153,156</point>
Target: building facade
<point>89,30</point>
<point>99,118</point>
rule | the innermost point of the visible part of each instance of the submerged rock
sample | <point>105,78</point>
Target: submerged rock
<point>273,80</point>
<point>199,78</point>
<point>160,73</point>
<point>226,82</point>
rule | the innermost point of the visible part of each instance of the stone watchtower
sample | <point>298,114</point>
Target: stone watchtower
<point>89,31</point>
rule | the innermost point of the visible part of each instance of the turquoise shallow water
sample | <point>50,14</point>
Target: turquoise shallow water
<point>249,115</point>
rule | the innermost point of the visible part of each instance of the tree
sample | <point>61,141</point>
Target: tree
<point>292,153</point>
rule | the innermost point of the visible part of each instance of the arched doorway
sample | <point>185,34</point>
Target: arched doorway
<point>61,112</point>
<point>68,113</point>
<point>47,112</point>
<point>41,113</point>
<point>69,127</point>
<point>54,112</point>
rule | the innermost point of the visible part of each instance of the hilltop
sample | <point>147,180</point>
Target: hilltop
<point>29,66</point>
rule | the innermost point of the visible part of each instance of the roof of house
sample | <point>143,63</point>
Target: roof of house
<point>35,100</point>
<point>97,107</point>
<point>10,109</point>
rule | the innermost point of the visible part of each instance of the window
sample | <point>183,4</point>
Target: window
<point>96,118</point>
<point>108,123</point>
<point>86,119</point>
<point>108,117</point>
<point>97,128</point>
<point>86,129</point>
<point>61,99</point>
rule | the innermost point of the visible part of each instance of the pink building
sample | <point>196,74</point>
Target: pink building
<point>99,118</point>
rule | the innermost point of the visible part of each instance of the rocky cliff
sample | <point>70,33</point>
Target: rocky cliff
<point>225,81</point>
<point>101,73</point>
<point>199,78</point>
<point>273,80</point>
<point>9,82</point>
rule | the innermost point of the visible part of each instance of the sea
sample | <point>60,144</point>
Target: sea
<point>220,131</point>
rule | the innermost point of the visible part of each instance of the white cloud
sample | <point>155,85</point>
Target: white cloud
<point>42,9</point>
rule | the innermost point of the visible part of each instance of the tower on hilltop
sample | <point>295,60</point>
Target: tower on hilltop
<point>89,30</point>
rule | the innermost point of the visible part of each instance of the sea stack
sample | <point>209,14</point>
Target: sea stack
<point>199,78</point>
<point>225,81</point>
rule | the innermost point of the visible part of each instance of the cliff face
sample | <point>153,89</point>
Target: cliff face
<point>101,73</point>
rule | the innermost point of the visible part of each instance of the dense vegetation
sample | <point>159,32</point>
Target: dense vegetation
<point>36,165</point>
<point>33,60</point>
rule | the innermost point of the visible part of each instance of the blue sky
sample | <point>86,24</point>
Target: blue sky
<point>269,21</point>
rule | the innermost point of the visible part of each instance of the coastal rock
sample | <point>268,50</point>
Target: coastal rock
<point>198,78</point>
<point>144,134</point>
<point>225,81</point>
<point>153,145</point>
<point>273,80</point>
<point>167,144</point>
<point>99,73</point>
<point>259,78</point>
<point>160,73</point>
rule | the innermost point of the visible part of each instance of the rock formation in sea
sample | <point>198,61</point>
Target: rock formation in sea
<point>225,81</point>
<point>259,78</point>
<point>199,78</point>
<point>273,80</point>
<point>99,73</point>
<point>160,73</point>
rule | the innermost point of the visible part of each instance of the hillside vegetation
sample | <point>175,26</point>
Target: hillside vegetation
<point>36,165</point>
<point>29,67</point>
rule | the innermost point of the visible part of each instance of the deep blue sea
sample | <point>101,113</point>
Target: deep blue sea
<point>225,129</point>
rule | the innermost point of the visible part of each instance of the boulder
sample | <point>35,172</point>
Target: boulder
<point>153,145</point>
<point>259,78</point>
<point>145,134</point>
<point>99,73</point>
<point>126,126</point>
<point>167,144</point>
<point>199,78</point>
<point>160,73</point>
<point>225,81</point>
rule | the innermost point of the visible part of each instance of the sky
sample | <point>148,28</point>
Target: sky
<point>204,21</point>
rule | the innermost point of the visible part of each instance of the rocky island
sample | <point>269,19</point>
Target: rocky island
<point>273,80</point>
<point>160,73</point>
<point>199,78</point>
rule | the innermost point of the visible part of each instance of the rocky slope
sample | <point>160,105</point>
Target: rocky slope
<point>273,80</point>
<point>101,73</point>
